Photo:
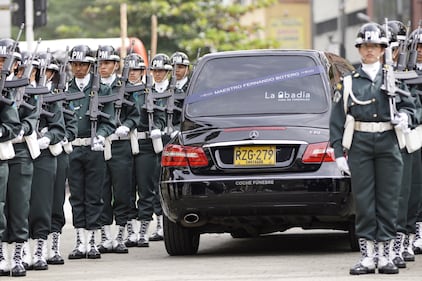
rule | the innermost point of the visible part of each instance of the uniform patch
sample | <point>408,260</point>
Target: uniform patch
<point>336,97</point>
<point>339,86</point>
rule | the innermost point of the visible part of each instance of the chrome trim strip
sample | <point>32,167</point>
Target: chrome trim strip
<point>253,142</point>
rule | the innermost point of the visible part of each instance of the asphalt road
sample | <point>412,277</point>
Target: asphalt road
<point>293,255</point>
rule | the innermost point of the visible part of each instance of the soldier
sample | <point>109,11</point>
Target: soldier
<point>117,185</point>
<point>9,129</point>
<point>86,162</point>
<point>372,149</point>
<point>50,131</point>
<point>416,240</point>
<point>147,162</point>
<point>59,194</point>
<point>410,186</point>
<point>136,75</point>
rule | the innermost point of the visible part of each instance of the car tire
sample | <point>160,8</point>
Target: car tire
<point>179,240</point>
<point>353,239</point>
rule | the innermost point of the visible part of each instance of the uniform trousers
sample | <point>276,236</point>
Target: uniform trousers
<point>42,191</point>
<point>376,166</point>
<point>118,184</point>
<point>86,180</point>
<point>4,172</point>
<point>146,165</point>
<point>18,194</point>
<point>58,219</point>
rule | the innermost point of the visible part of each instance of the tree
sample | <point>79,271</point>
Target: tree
<point>183,25</point>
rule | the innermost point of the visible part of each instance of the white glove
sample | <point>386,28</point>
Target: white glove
<point>43,142</point>
<point>64,141</point>
<point>342,165</point>
<point>98,143</point>
<point>122,131</point>
<point>402,121</point>
<point>1,133</point>
<point>174,133</point>
<point>155,134</point>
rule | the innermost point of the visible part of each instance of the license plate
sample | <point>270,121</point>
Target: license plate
<point>254,155</point>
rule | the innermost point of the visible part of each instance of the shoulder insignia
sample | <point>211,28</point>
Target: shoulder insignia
<point>356,74</point>
<point>336,97</point>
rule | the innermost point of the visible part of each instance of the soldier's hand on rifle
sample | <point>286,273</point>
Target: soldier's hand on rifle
<point>342,165</point>
<point>402,121</point>
<point>44,142</point>
<point>122,131</point>
<point>98,143</point>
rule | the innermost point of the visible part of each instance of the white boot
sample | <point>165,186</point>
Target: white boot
<point>132,233</point>
<point>17,267</point>
<point>385,263</point>
<point>143,234</point>
<point>118,243</point>
<point>158,235</point>
<point>26,255</point>
<point>417,244</point>
<point>79,252</point>
<point>408,254</point>
<point>4,261</point>
<point>54,256</point>
<point>106,245</point>
<point>366,264</point>
<point>40,252</point>
<point>91,247</point>
<point>398,248</point>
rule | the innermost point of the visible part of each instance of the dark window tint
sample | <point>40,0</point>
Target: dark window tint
<point>270,84</point>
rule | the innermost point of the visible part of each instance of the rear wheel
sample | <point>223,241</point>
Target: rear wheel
<point>179,240</point>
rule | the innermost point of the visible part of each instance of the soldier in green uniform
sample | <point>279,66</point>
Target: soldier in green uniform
<point>147,162</point>
<point>20,176</point>
<point>87,164</point>
<point>411,177</point>
<point>9,129</point>
<point>366,131</point>
<point>50,132</point>
<point>59,194</point>
<point>415,241</point>
<point>117,184</point>
<point>136,75</point>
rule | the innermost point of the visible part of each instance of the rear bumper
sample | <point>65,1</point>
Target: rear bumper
<point>306,202</point>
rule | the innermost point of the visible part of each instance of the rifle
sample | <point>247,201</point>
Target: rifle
<point>413,52</point>
<point>94,103</point>
<point>401,61</point>
<point>389,83</point>
<point>123,89</point>
<point>7,68</point>
<point>170,106</point>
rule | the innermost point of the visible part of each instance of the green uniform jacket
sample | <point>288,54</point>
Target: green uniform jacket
<point>159,117</point>
<point>377,111</point>
<point>10,124</point>
<point>129,115</point>
<point>105,126</point>
<point>54,124</point>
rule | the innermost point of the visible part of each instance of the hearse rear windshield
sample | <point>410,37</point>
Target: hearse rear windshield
<point>284,84</point>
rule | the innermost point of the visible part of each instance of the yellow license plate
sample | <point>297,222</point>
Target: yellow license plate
<point>254,155</point>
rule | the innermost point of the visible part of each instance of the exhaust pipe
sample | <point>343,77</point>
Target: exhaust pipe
<point>191,218</point>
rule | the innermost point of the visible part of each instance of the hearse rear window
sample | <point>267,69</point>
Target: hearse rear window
<point>258,85</point>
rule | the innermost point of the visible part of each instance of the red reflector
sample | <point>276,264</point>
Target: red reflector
<point>182,156</point>
<point>318,152</point>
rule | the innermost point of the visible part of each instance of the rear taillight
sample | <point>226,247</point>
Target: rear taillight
<point>318,152</point>
<point>183,156</point>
